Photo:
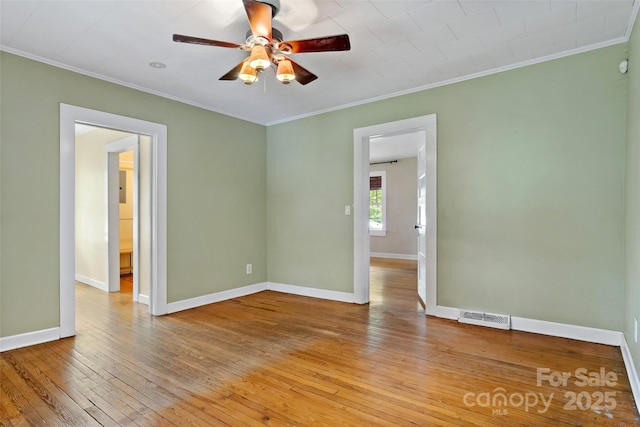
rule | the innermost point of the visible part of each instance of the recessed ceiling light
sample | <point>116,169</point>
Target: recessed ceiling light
<point>157,65</point>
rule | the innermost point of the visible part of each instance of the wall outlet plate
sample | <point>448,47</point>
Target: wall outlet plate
<point>635,330</point>
<point>249,268</point>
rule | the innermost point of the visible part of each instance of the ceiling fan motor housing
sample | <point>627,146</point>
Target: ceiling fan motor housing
<point>275,6</point>
<point>276,35</point>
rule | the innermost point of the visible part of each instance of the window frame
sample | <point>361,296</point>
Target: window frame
<point>383,231</point>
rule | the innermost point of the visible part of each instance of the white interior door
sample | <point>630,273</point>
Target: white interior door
<point>421,220</point>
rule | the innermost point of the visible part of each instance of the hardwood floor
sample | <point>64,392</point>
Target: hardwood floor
<point>285,360</point>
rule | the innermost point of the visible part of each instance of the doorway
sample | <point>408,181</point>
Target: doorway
<point>362,137</point>
<point>396,237</point>
<point>128,190</point>
<point>128,214</point>
<point>107,165</point>
<point>157,137</point>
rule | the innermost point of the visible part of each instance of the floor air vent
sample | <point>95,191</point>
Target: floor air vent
<point>500,321</point>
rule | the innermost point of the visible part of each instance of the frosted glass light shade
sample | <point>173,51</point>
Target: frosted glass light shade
<point>247,74</point>
<point>285,71</point>
<point>259,60</point>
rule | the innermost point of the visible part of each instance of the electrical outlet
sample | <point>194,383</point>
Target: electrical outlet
<point>249,268</point>
<point>635,330</point>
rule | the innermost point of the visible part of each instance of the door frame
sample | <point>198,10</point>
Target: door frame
<point>361,251</point>
<point>422,169</point>
<point>69,115</point>
<point>112,151</point>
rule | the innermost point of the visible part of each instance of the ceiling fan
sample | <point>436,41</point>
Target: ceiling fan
<point>267,46</point>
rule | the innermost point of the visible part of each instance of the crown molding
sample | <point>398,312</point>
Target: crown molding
<point>595,46</point>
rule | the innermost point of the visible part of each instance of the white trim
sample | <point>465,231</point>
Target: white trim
<point>67,222</point>
<point>599,336</point>
<point>632,373</point>
<point>98,76</point>
<point>112,194</point>
<point>69,115</point>
<point>158,297</point>
<point>563,330</point>
<point>490,72</point>
<point>551,57</point>
<point>92,282</point>
<point>444,312</point>
<point>112,152</point>
<point>311,292</point>
<point>29,338</point>
<point>554,329</point>
<point>215,297</point>
<point>143,299</point>
<point>259,287</point>
<point>632,21</point>
<point>361,240</point>
<point>410,257</point>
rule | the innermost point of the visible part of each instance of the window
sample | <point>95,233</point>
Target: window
<point>377,203</point>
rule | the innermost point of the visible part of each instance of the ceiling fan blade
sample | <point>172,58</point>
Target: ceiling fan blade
<point>320,44</point>
<point>259,15</point>
<point>197,40</point>
<point>233,73</point>
<point>303,76</point>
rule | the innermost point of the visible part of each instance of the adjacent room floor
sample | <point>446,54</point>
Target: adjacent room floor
<point>285,360</point>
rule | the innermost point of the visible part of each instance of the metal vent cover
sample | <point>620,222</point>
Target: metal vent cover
<point>492,320</point>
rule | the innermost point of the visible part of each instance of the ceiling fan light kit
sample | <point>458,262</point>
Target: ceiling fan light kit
<point>259,59</point>
<point>248,74</point>
<point>285,71</point>
<point>266,47</point>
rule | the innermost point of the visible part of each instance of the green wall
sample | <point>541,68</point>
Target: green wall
<point>212,232</point>
<point>530,191</point>
<point>531,171</point>
<point>632,200</point>
<point>309,182</point>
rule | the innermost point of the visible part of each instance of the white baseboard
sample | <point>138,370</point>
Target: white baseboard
<point>600,336</point>
<point>312,292</point>
<point>92,282</point>
<point>582,333</point>
<point>215,297</point>
<point>393,256</point>
<point>443,312</point>
<point>632,373</point>
<point>29,338</point>
<point>259,287</point>
<point>562,330</point>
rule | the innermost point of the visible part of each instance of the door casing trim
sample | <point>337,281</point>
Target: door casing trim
<point>361,251</point>
<point>112,152</point>
<point>69,115</point>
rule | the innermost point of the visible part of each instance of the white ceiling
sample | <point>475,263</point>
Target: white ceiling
<point>396,46</point>
<point>394,147</point>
